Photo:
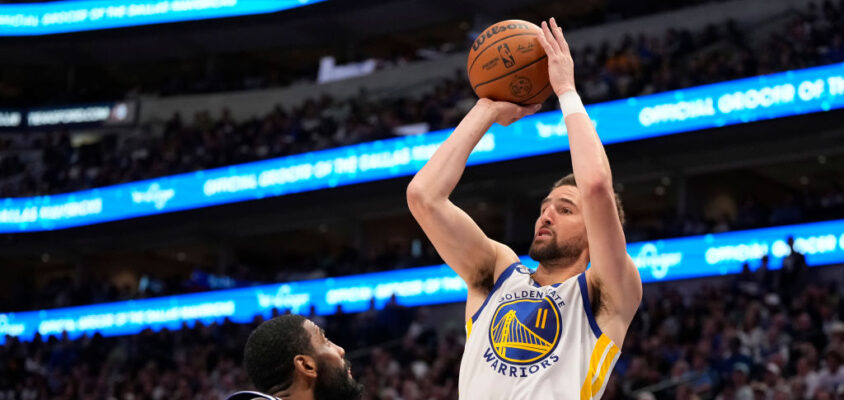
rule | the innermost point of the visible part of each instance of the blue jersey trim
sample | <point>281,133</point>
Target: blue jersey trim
<point>539,286</point>
<point>501,278</point>
<point>587,306</point>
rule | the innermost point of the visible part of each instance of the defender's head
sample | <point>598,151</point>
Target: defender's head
<point>560,232</point>
<point>290,352</point>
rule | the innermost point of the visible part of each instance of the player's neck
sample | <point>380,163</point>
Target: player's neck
<point>550,272</point>
<point>297,391</point>
<point>292,395</point>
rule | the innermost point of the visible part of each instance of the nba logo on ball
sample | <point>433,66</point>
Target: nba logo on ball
<point>525,331</point>
<point>506,56</point>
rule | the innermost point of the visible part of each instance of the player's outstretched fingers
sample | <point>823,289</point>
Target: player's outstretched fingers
<point>558,34</point>
<point>544,42</point>
<point>553,47</point>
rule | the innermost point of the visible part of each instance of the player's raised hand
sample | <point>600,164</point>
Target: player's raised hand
<point>506,113</point>
<point>560,63</point>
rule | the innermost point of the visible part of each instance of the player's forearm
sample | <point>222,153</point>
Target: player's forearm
<point>589,160</point>
<point>438,178</point>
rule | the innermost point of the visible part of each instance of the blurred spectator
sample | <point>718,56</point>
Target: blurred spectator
<point>806,380</point>
<point>793,271</point>
<point>831,376</point>
<point>740,375</point>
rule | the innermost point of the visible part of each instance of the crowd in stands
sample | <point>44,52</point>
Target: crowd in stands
<point>222,72</point>
<point>635,66</point>
<point>815,204</point>
<point>755,339</point>
<point>254,75</point>
<point>757,335</point>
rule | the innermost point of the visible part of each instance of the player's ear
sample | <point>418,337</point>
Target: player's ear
<point>305,365</point>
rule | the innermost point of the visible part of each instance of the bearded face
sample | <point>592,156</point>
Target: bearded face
<point>336,382</point>
<point>560,233</point>
<point>550,247</point>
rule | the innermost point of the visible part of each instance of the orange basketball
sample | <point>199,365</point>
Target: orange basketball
<point>507,63</point>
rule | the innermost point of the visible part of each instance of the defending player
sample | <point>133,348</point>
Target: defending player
<point>554,333</point>
<point>289,358</point>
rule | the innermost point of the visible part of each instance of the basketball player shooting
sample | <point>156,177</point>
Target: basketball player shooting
<point>553,333</point>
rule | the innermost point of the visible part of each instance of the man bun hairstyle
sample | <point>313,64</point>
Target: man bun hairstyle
<point>270,349</point>
<point>568,180</point>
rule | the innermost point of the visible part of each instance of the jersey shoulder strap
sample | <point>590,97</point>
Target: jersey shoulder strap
<point>248,395</point>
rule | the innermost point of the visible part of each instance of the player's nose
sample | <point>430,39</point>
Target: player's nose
<point>545,217</point>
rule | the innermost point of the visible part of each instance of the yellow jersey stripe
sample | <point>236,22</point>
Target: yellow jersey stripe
<point>468,327</point>
<point>605,366</point>
<point>597,353</point>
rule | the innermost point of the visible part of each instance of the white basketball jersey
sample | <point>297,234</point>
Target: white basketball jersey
<point>535,342</point>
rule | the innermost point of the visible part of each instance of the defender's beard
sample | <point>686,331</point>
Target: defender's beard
<point>566,252</point>
<point>334,383</point>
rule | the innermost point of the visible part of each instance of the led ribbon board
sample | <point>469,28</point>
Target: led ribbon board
<point>728,103</point>
<point>662,260</point>
<point>11,119</point>
<point>35,19</point>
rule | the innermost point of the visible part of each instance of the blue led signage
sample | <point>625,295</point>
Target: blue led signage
<point>661,260</point>
<point>728,103</point>
<point>33,19</point>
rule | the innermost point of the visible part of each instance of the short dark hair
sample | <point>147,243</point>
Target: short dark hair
<point>568,180</point>
<point>270,349</point>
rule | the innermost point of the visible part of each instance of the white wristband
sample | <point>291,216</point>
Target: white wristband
<point>570,104</point>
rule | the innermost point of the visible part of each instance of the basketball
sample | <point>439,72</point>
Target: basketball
<point>507,63</point>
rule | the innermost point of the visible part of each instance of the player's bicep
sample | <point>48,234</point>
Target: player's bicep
<point>458,239</point>
<point>611,264</point>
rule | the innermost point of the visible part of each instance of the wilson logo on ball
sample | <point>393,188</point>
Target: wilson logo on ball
<point>496,29</point>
